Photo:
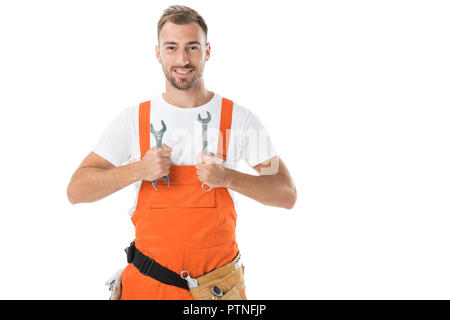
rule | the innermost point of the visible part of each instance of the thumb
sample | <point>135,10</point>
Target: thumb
<point>199,158</point>
<point>209,159</point>
<point>213,158</point>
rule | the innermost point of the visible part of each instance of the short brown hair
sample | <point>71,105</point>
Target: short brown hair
<point>181,15</point>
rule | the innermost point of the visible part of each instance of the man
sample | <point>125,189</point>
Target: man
<point>185,223</point>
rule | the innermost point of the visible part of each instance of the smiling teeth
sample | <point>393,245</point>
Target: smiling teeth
<point>183,72</point>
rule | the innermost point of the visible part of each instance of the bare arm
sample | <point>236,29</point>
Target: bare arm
<point>97,178</point>
<point>273,186</point>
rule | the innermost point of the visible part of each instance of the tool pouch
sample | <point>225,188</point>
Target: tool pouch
<point>223,283</point>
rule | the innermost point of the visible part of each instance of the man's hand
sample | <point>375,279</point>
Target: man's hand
<point>210,170</point>
<point>115,285</point>
<point>272,186</point>
<point>97,178</point>
<point>155,163</point>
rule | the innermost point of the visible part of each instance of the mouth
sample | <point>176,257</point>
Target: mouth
<point>183,73</point>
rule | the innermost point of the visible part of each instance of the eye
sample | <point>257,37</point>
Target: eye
<point>170,48</point>
<point>194,48</point>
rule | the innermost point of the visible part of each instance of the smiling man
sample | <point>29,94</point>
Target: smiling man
<point>190,140</point>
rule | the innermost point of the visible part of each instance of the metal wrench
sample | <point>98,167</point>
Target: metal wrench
<point>204,123</point>
<point>158,136</point>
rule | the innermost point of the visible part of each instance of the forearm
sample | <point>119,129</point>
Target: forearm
<point>273,190</point>
<point>90,184</point>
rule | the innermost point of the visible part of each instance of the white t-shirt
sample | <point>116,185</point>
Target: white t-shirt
<point>249,140</point>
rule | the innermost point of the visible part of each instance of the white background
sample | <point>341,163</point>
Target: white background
<point>355,95</point>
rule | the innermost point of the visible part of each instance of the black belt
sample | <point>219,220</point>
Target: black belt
<point>151,268</point>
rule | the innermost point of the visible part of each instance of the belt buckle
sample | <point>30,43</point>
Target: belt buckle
<point>145,268</point>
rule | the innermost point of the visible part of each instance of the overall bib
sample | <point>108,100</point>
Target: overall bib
<point>181,227</point>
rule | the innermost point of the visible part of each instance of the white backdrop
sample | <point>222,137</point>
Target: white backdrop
<point>355,95</point>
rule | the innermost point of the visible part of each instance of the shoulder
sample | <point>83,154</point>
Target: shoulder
<point>130,115</point>
<point>132,111</point>
<point>243,117</point>
<point>127,120</point>
<point>242,112</point>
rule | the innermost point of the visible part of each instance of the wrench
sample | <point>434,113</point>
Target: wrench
<point>158,136</point>
<point>204,122</point>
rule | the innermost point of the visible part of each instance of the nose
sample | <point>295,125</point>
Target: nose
<point>183,57</point>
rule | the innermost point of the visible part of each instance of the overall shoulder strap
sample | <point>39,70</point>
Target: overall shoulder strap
<point>144,127</point>
<point>225,128</point>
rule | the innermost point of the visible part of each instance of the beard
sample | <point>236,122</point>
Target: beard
<point>182,84</point>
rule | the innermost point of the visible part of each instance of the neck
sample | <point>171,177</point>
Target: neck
<point>194,97</point>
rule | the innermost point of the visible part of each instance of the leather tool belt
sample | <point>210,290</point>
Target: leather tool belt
<point>223,283</point>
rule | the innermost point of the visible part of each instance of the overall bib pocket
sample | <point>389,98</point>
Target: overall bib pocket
<point>181,196</point>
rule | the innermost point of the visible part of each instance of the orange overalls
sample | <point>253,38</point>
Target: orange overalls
<point>181,227</point>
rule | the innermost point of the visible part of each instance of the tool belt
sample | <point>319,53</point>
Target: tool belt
<point>223,283</point>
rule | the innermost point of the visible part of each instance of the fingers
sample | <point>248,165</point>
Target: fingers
<point>201,175</point>
<point>202,158</point>
<point>165,152</point>
<point>211,158</point>
<point>199,158</point>
<point>203,171</point>
<point>164,147</point>
<point>208,159</point>
<point>199,167</point>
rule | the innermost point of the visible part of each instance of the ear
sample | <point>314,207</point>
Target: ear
<point>207,51</point>
<point>158,55</point>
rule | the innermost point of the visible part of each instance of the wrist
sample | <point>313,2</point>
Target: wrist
<point>228,177</point>
<point>136,171</point>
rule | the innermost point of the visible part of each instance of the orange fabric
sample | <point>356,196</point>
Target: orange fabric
<point>225,127</point>
<point>144,120</point>
<point>182,227</point>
